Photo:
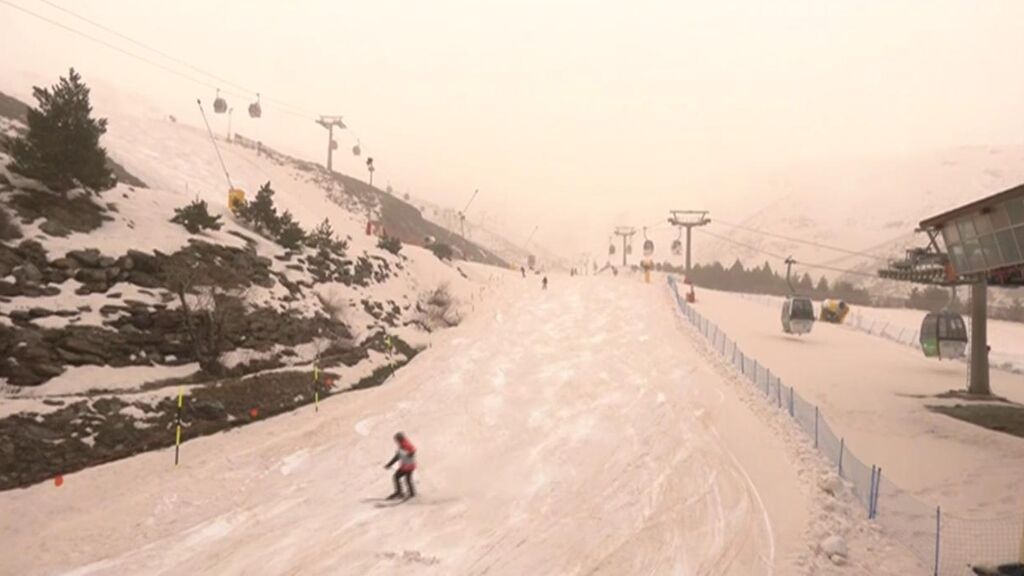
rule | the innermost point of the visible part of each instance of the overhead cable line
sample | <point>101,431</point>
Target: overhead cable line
<point>284,105</point>
<point>245,92</point>
<point>784,258</point>
<point>802,241</point>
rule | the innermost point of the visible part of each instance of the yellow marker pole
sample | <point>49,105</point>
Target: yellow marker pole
<point>177,435</point>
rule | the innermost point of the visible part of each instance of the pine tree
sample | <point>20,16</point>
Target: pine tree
<point>322,239</point>
<point>289,233</point>
<point>62,147</point>
<point>390,243</point>
<point>822,287</point>
<point>196,217</point>
<point>261,212</point>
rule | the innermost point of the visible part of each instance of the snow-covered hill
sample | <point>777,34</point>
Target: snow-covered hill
<point>95,336</point>
<point>870,206</point>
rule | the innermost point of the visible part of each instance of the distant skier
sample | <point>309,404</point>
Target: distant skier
<point>544,283</point>
<point>406,457</point>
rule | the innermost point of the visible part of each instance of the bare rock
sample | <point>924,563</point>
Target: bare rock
<point>54,228</point>
<point>89,258</point>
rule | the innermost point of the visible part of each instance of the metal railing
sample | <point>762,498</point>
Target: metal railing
<point>948,545</point>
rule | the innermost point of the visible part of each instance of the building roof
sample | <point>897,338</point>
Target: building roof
<point>977,206</point>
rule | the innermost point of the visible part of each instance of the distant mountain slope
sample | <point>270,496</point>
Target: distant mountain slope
<point>868,206</point>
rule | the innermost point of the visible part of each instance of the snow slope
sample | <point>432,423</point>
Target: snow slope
<point>903,325</point>
<point>567,431</point>
<point>874,394</point>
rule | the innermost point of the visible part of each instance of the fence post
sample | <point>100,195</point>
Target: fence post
<point>790,401</point>
<point>778,394</point>
<point>755,370</point>
<point>842,446</point>
<point>878,487</point>
<point>815,427</point>
<point>871,492</point>
<point>938,539</point>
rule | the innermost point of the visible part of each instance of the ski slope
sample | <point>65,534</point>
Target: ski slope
<point>874,392</point>
<point>570,431</point>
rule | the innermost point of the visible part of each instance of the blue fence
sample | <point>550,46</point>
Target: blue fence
<point>948,545</point>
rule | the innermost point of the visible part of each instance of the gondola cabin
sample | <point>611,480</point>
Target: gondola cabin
<point>220,105</point>
<point>797,315</point>
<point>943,335</point>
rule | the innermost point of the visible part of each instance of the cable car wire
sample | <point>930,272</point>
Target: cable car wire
<point>246,92</point>
<point>783,258</point>
<point>801,241</point>
<point>284,105</point>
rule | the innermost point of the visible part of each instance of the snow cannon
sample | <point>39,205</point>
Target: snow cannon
<point>834,311</point>
<point>236,198</point>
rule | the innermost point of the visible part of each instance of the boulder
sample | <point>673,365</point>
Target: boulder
<point>54,228</point>
<point>106,262</point>
<point>19,315</point>
<point>89,258</point>
<point>110,309</point>
<point>91,276</point>
<point>82,345</point>
<point>47,370</point>
<point>144,279</point>
<point>27,274</point>
<point>75,359</point>
<point>39,312</point>
<point>142,321</point>
<point>64,263</point>
<point>209,410</point>
<point>55,276</point>
<point>142,262</point>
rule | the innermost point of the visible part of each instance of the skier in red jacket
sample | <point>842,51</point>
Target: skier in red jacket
<point>406,457</point>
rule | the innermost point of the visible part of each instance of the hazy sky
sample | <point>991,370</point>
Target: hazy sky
<point>572,115</point>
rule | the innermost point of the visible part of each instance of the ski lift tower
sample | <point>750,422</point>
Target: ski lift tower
<point>330,122</point>
<point>984,246</point>
<point>462,213</point>
<point>688,219</point>
<point>627,233</point>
